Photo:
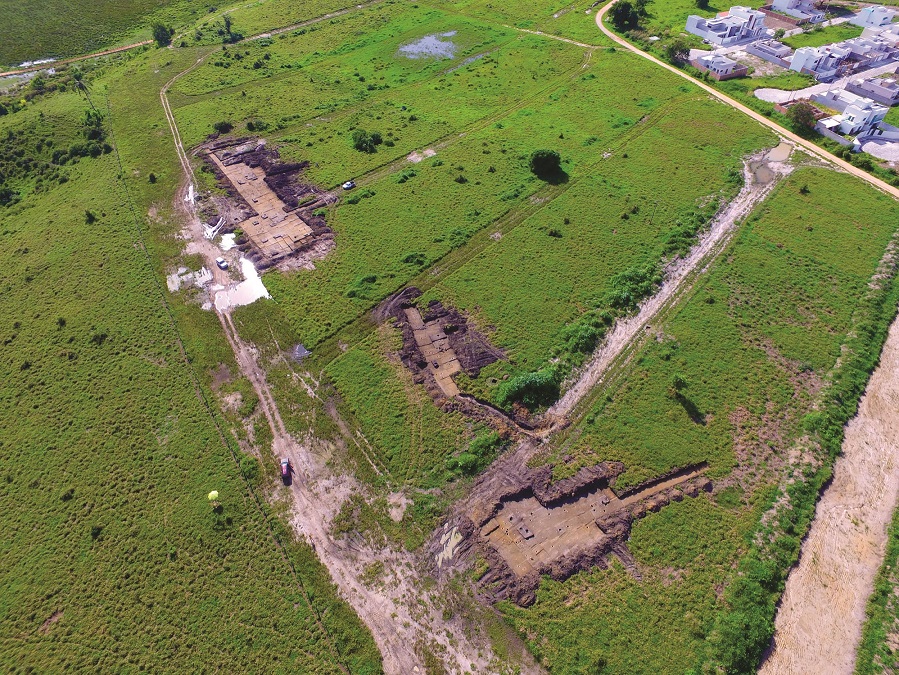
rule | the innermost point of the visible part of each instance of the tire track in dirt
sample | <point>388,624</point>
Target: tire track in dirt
<point>819,623</point>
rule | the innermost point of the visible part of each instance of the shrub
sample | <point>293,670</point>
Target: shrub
<point>223,127</point>
<point>530,389</point>
<point>366,142</point>
<point>545,163</point>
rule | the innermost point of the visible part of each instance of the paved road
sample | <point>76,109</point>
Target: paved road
<point>808,146</point>
<point>782,95</point>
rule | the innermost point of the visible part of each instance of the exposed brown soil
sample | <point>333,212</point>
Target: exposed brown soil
<point>452,345</point>
<point>282,222</point>
<point>528,527</point>
<point>48,624</point>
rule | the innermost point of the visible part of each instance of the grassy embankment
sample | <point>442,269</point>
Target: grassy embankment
<point>753,346</point>
<point>877,651</point>
<point>113,557</point>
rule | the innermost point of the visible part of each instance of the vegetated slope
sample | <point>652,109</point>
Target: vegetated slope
<point>113,558</point>
<point>729,379</point>
<point>877,651</point>
<point>569,20</point>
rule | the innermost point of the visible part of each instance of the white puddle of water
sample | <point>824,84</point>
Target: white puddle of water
<point>431,46</point>
<point>227,242</point>
<point>246,292</point>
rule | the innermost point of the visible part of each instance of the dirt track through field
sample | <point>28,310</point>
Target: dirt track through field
<point>679,278</point>
<point>819,624</point>
<point>400,612</point>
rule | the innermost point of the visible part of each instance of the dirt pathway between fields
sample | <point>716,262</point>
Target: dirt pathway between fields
<point>679,278</point>
<point>819,624</point>
<point>401,611</point>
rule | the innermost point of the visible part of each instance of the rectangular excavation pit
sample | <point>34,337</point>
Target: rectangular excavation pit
<point>533,537</point>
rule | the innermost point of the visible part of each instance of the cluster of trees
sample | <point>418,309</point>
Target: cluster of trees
<point>162,34</point>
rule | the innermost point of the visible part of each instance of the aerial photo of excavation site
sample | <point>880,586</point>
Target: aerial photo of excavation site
<point>449,337</point>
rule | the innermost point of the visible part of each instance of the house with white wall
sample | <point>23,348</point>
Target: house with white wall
<point>874,16</point>
<point>738,24</point>
<point>804,10</point>
<point>858,114</point>
<point>822,62</point>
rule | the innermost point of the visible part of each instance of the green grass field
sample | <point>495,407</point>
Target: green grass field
<point>113,557</point>
<point>752,343</point>
<point>818,37</point>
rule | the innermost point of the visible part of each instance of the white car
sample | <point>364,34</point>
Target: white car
<point>349,185</point>
<point>221,263</point>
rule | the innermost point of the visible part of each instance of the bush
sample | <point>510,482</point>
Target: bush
<point>223,127</point>
<point>545,163</point>
<point>162,35</point>
<point>533,390</point>
<point>366,142</point>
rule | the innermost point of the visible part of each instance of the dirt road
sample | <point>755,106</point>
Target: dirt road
<point>808,146</point>
<point>679,278</point>
<point>819,624</point>
<point>56,64</point>
<point>402,612</point>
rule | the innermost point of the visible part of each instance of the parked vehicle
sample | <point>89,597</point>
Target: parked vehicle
<point>349,185</point>
<point>221,263</point>
<point>285,470</point>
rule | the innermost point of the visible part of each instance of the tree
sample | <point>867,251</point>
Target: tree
<point>702,4</point>
<point>162,35</point>
<point>779,33</point>
<point>801,115</point>
<point>546,163</point>
<point>677,50</point>
<point>223,127</point>
<point>625,16</point>
<point>366,142</point>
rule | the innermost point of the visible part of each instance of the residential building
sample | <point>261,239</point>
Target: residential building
<point>857,113</point>
<point>804,10</point>
<point>888,34</point>
<point>883,90</point>
<point>719,67</point>
<point>771,51</point>
<point>822,62</point>
<point>874,17</point>
<point>739,24</point>
<point>842,58</point>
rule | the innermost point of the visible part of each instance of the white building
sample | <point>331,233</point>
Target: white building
<point>804,10</point>
<point>888,34</point>
<point>736,25</point>
<point>822,62</point>
<point>884,90</point>
<point>874,16</point>
<point>843,57</point>
<point>857,113</point>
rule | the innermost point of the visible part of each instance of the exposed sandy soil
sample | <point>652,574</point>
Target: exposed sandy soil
<point>819,624</point>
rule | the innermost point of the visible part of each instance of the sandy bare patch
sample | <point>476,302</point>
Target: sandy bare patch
<point>415,156</point>
<point>819,624</point>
